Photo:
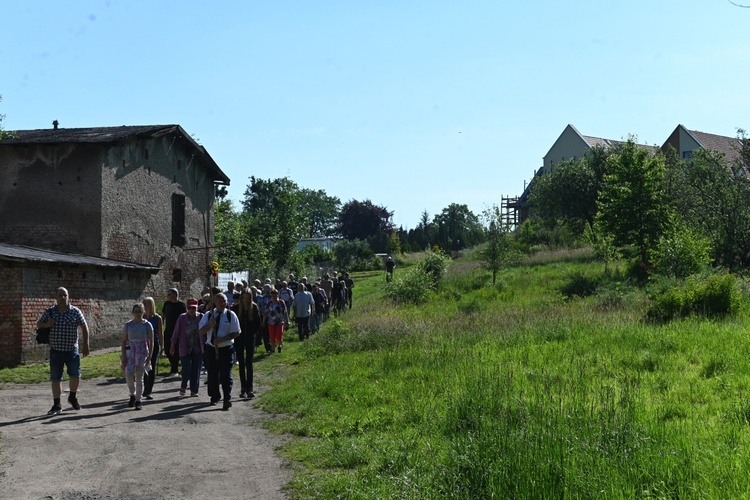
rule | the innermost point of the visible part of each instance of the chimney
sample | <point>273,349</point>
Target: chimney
<point>55,124</point>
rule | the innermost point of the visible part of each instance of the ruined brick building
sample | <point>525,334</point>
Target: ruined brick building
<point>114,214</point>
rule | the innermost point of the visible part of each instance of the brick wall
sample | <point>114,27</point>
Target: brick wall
<point>10,315</point>
<point>112,201</point>
<point>50,196</point>
<point>137,194</point>
<point>104,295</point>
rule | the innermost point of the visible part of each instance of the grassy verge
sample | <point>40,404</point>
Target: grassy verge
<point>514,391</point>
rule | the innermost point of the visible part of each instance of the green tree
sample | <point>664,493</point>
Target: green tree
<point>320,213</point>
<point>497,251</point>
<point>275,215</point>
<point>394,243</point>
<point>238,246</point>
<point>420,237</point>
<point>274,212</point>
<point>363,220</point>
<point>569,193</point>
<point>457,227</point>
<point>349,252</point>
<point>632,206</point>
<point>713,197</point>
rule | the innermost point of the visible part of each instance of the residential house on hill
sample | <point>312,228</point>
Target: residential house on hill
<point>686,141</point>
<point>570,145</point>
<point>114,214</point>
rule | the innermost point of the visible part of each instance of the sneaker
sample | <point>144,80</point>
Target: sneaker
<point>279,349</point>
<point>193,394</point>
<point>55,410</point>
<point>182,392</point>
<point>227,405</point>
<point>149,397</point>
<point>137,405</point>
<point>131,403</point>
<point>214,402</point>
<point>74,402</point>
<point>243,394</point>
<point>250,394</point>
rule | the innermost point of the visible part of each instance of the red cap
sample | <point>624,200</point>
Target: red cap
<point>192,302</point>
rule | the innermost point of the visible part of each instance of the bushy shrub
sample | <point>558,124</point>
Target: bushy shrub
<point>579,285</point>
<point>410,287</point>
<point>533,235</point>
<point>373,264</point>
<point>349,252</point>
<point>433,265</point>
<point>681,251</point>
<point>414,285</point>
<point>713,295</point>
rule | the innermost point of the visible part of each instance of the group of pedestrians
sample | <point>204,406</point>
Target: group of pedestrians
<point>208,335</point>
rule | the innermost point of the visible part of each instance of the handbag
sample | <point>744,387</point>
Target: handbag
<point>42,335</point>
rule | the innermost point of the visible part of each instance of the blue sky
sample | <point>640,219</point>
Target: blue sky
<point>411,104</point>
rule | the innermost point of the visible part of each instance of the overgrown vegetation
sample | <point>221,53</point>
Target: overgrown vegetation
<point>512,391</point>
<point>715,295</point>
<point>414,285</point>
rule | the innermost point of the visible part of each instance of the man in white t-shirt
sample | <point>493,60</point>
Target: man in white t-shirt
<point>303,306</point>
<point>220,327</point>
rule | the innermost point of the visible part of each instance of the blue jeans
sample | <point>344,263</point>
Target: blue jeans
<point>191,371</point>
<point>317,319</point>
<point>59,358</point>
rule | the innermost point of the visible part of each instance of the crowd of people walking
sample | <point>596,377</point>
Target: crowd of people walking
<point>201,335</point>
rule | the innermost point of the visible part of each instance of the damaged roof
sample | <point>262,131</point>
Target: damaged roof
<point>113,135</point>
<point>19,253</point>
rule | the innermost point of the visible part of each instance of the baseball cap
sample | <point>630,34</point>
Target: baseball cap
<point>192,302</point>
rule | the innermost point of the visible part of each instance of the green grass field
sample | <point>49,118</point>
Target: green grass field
<point>510,391</point>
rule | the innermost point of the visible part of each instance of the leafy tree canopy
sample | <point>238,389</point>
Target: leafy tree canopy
<point>570,192</point>
<point>457,227</point>
<point>360,220</point>
<point>632,206</point>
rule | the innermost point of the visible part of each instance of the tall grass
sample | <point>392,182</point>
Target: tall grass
<point>515,391</point>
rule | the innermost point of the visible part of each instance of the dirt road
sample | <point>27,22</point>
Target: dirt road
<point>175,448</point>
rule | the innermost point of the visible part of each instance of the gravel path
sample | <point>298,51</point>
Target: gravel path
<point>175,448</point>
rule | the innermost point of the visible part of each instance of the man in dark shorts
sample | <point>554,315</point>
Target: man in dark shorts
<point>63,320</point>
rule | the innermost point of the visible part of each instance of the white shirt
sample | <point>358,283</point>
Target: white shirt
<point>301,304</point>
<point>225,327</point>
